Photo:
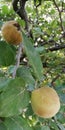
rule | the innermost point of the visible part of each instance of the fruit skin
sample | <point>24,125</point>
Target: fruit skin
<point>45,102</point>
<point>11,32</point>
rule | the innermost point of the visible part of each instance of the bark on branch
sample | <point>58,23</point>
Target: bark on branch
<point>19,8</point>
<point>59,47</point>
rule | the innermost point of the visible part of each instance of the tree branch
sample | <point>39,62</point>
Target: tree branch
<point>56,48</point>
<point>19,8</point>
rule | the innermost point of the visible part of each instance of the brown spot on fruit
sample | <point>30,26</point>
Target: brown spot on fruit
<point>11,32</point>
<point>18,26</point>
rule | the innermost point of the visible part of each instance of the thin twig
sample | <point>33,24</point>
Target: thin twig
<point>36,9</point>
<point>59,11</point>
<point>54,79</point>
<point>17,60</point>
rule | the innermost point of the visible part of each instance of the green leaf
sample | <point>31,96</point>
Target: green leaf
<point>40,50</point>
<point>53,125</point>
<point>41,128</point>
<point>60,126</point>
<point>7,55</point>
<point>61,91</point>
<point>1,23</point>
<point>29,111</point>
<point>17,123</point>
<point>37,31</point>
<point>60,116</point>
<point>2,126</point>
<point>25,73</point>
<point>5,9</point>
<point>4,82</point>
<point>1,73</point>
<point>33,57</point>
<point>14,99</point>
<point>45,128</point>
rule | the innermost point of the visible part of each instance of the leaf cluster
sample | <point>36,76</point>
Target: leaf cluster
<point>42,63</point>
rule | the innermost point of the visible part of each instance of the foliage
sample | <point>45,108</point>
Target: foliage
<point>42,63</point>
